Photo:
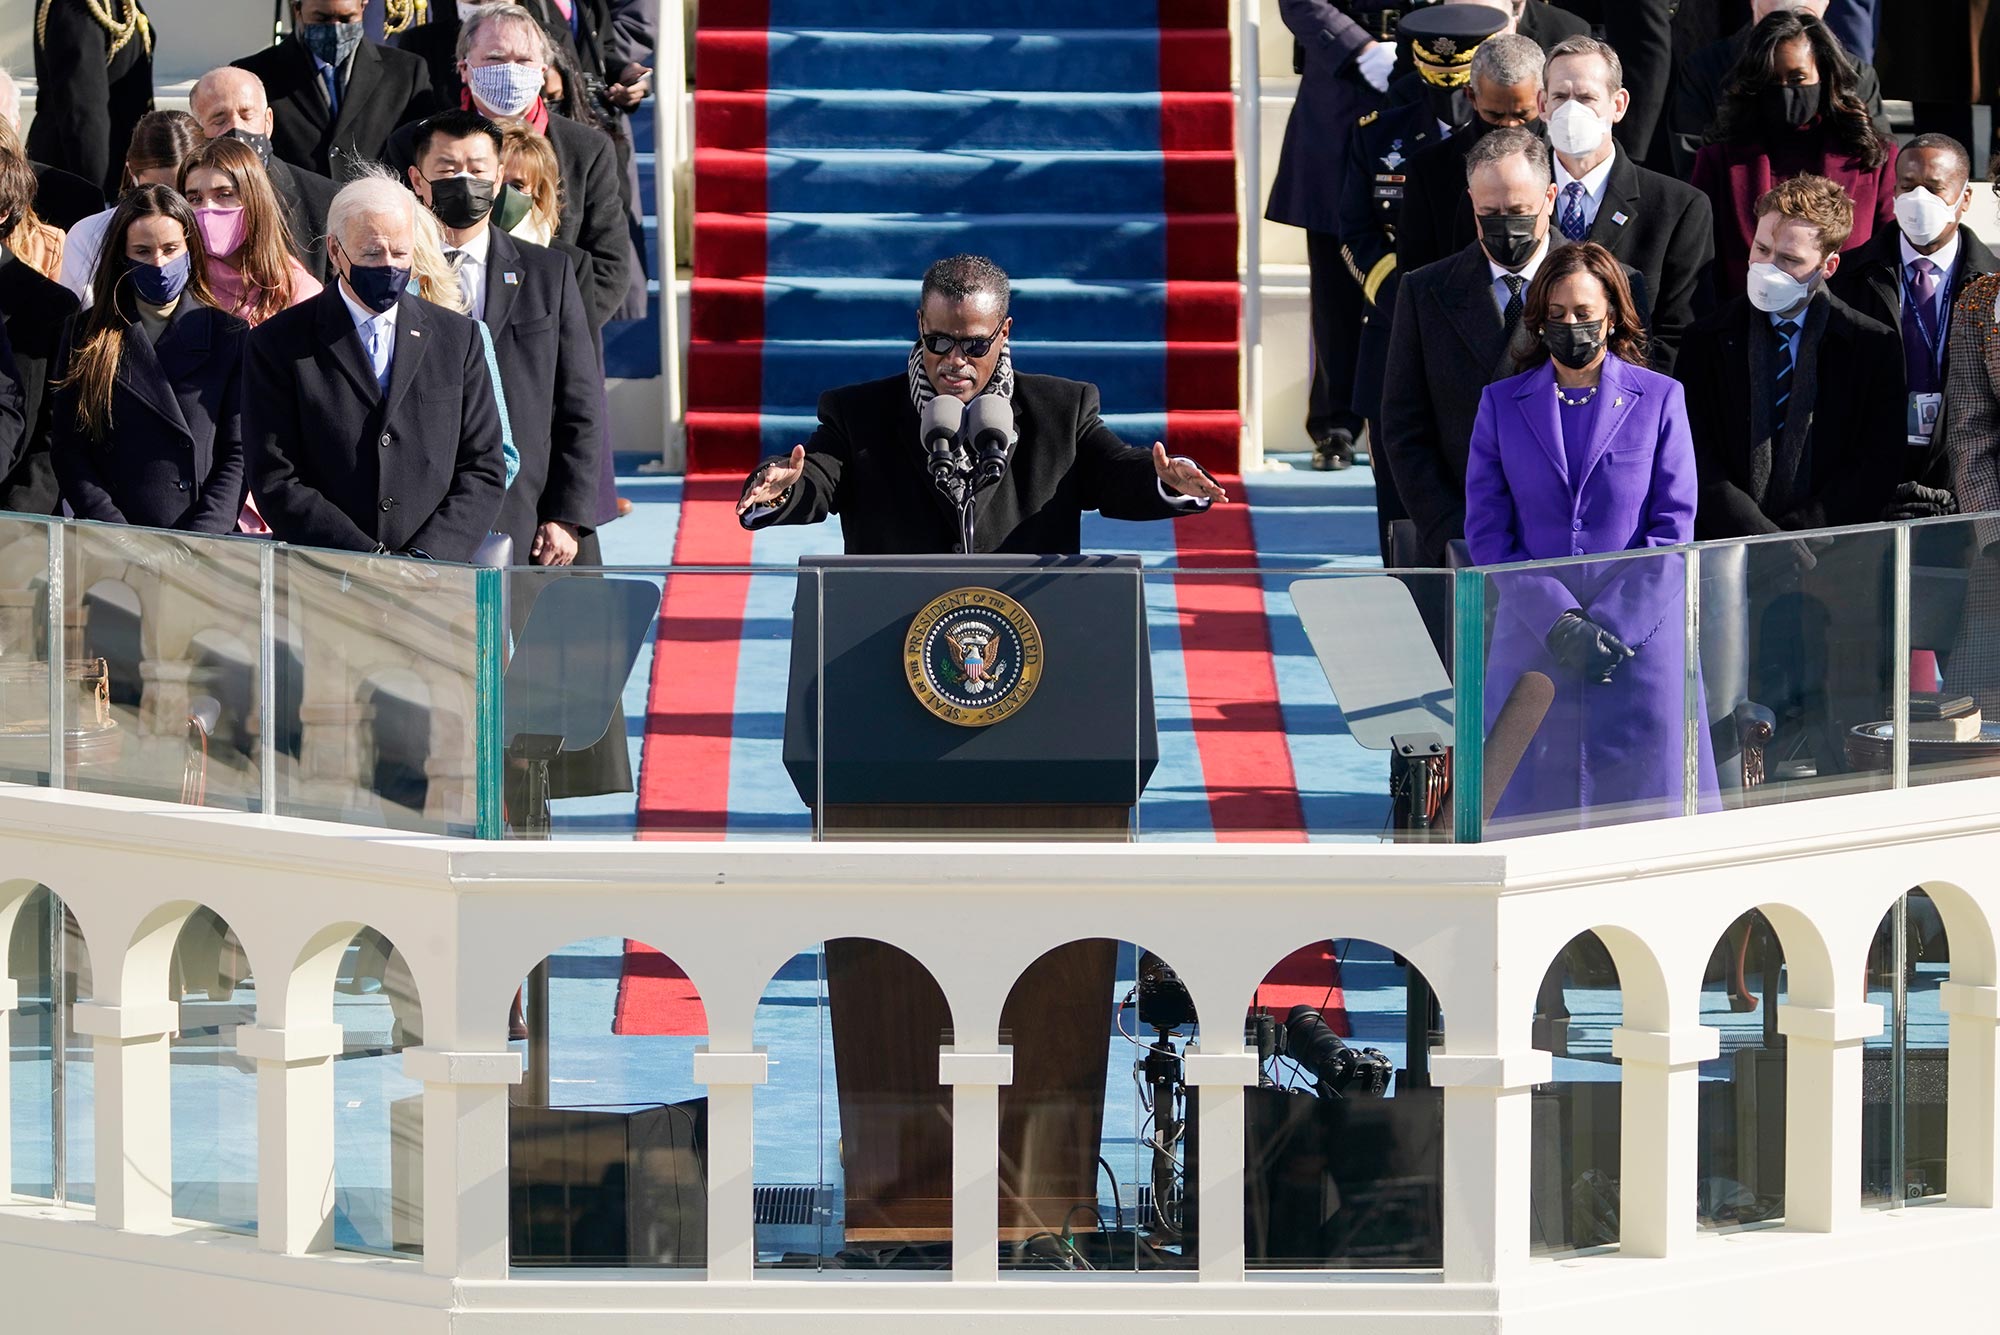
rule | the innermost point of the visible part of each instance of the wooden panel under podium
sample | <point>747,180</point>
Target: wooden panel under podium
<point>1067,762</point>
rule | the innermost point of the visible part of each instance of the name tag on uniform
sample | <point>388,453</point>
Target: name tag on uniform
<point>1925,410</point>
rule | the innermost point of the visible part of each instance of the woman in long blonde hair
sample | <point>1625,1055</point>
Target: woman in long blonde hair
<point>148,414</point>
<point>251,266</point>
<point>528,164</point>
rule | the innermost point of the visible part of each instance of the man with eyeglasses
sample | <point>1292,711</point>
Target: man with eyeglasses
<point>866,462</point>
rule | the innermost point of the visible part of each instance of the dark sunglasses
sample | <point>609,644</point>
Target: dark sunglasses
<point>941,345</point>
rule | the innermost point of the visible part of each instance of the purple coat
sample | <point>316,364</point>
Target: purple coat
<point>1613,752</point>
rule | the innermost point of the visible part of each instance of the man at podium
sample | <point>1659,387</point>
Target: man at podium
<point>896,468</point>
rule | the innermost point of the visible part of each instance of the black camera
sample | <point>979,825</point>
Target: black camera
<point>1338,1070</point>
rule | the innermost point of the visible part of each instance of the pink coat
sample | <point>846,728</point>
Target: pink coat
<point>1735,176</point>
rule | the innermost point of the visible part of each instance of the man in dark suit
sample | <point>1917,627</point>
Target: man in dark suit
<point>527,296</point>
<point>231,101</point>
<point>866,461</point>
<point>35,313</point>
<point>334,94</point>
<point>1795,399</point>
<point>1662,227</point>
<point>1698,85</point>
<point>62,199</point>
<point>1453,324</point>
<point>93,81</point>
<point>1505,92</point>
<point>1909,280</point>
<point>1343,71</point>
<point>505,57</point>
<point>368,415</point>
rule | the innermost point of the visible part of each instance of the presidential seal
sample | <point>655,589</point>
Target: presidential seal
<point>973,657</point>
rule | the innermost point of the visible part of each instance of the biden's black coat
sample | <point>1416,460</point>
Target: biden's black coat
<point>865,463</point>
<point>336,462</point>
<point>384,88</point>
<point>549,365</point>
<point>172,456</point>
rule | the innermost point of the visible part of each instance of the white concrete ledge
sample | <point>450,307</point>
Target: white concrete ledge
<point>731,1068</point>
<point>435,1066</point>
<point>1966,999</point>
<point>1221,1068</point>
<point>1831,1024</point>
<point>141,1020</point>
<point>293,1045</point>
<point>1676,1051</point>
<point>976,1068</point>
<point>1513,1070</point>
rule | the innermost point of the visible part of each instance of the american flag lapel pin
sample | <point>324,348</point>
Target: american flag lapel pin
<point>510,280</point>
<point>1618,218</point>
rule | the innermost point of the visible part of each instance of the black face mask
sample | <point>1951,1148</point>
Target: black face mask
<point>259,143</point>
<point>1788,106</point>
<point>1509,238</point>
<point>1481,127</point>
<point>1574,345</point>
<point>461,201</point>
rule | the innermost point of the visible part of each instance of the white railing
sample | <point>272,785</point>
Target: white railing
<point>1250,171</point>
<point>1481,923</point>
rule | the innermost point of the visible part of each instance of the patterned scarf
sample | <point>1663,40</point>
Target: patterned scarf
<point>922,392</point>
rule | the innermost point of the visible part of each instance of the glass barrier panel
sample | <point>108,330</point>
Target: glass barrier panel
<point>985,697</point>
<point>648,704</point>
<point>24,650</point>
<point>1905,1070</point>
<point>378,1111</point>
<point>1954,625</point>
<point>608,1133</point>
<point>1797,635</point>
<point>377,691</point>
<point>214,1086</point>
<point>1585,693</point>
<point>164,631</point>
<point>53,1130</point>
<point>1576,1116</point>
<point>1740,1118</point>
<point>853,1159</point>
<point>1344,1131</point>
<point>1097,1131</point>
<point>1285,701</point>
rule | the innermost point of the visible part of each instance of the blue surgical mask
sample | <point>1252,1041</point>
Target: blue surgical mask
<point>332,43</point>
<point>159,284</point>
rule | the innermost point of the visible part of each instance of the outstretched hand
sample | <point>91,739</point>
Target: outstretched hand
<point>1180,475</point>
<point>771,480</point>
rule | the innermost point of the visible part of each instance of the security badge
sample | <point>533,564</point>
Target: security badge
<point>973,657</point>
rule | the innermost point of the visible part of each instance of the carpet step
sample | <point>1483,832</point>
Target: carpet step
<point>906,15</point>
<point>1071,61</point>
<point>837,180</point>
<point>1131,376</point>
<point>938,122</point>
<point>1108,246</point>
<point>1056,308</point>
<point>733,442</point>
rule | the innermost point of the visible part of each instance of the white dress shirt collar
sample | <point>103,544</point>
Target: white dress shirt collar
<point>1526,271</point>
<point>1946,257</point>
<point>477,248</point>
<point>363,317</point>
<point>1593,180</point>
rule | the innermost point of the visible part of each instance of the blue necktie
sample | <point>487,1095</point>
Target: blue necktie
<point>1781,388</point>
<point>1572,223</point>
<point>332,78</point>
<point>376,360</point>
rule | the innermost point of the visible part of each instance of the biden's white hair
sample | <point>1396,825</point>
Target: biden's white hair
<point>374,190</point>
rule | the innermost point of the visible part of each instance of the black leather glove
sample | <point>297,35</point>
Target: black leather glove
<point>1913,500</point>
<point>1586,648</point>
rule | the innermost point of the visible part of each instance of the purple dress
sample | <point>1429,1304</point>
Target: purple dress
<point>1546,482</point>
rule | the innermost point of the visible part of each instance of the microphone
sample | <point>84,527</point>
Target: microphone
<point>992,426</point>
<point>941,419</point>
<point>1514,727</point>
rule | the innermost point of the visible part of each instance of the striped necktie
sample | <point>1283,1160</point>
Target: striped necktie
<point>1781,384</point>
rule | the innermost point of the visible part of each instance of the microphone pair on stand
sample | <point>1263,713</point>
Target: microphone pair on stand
<point>990,423</point>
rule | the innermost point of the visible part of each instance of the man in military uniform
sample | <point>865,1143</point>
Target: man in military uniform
<point>1425,106</point>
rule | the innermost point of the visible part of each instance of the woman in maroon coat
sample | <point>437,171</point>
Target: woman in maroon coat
<point>1789,108</point>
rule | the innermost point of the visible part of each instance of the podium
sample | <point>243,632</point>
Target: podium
<point>880,745</point>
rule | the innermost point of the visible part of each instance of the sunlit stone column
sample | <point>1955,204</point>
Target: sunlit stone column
<point>1487,1106</point>
<point>1823,1112</point>
<point>1659,1102</point>
<point>732,1079</point>
<point>1972,1129</point>
<point>465,1158</point>
<point>975,1079</point>
<point>134,1096</point>
<point>10,999</point>
<point>294,1134</point>
<point>1219,1079</point>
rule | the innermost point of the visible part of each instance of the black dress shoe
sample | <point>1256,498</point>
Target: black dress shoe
<point>1333,451</point>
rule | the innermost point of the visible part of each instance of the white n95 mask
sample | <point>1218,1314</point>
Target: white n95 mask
<point>1772,290</point>
<point>1923,216</point>
<point>1575,129</point>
